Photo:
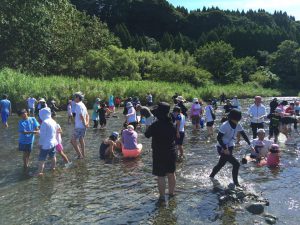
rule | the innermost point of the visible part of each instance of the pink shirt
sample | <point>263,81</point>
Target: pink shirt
<point>273,159</point>
<point>196,110</point>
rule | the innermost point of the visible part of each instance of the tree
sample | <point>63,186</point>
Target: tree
<point>284,63</point>
<point>122,32</point>
<point>217,58</point>
<point>166,42</point>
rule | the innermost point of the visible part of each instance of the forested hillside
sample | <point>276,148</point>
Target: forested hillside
<point>150,40</point>
<point>137,22</point>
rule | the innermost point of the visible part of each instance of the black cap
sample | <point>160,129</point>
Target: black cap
<point>235,114</point>
<point>22,111</point>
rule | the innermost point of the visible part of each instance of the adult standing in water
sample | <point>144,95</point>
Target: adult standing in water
<point>226,138</point>
<point>257,113</point>
<point>163,134</point>
<point>149,99</point>
<point>31,105</point>
<point>81,124</point>
<point>5,109</point>
<point>111,103</point>
<point>95,115</point>
<point>131,115</point>
<point>180,103</point>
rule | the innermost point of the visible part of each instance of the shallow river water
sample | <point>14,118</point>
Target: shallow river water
<point>125,192</point>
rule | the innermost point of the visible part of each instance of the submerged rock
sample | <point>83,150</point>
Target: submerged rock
<point>255,208</point>
<point>270,219</point>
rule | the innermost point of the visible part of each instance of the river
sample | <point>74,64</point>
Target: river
<point>125,192</point>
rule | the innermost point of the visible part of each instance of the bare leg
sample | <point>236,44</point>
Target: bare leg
<point>180,148</point>
<point>75,145</point>
<point>161,186</point>
<point>64,156</point>
<point>171,183</point>
<point>41,167</point>
<point>82,146</point>
<point>26,159</point>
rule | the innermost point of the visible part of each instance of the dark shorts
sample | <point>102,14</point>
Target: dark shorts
<point>179,141</point>
<point>161,167</point>
<point>25,147</point>
<point>102,121</point>
<point>219,149</point>
<point>195,119</point>
<point>210,124</point>
<point>45,152</point>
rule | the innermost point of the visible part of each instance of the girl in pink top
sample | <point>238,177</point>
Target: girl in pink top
<point>273,158</point>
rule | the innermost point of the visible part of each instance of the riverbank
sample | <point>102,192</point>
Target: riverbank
<point>20,85</point>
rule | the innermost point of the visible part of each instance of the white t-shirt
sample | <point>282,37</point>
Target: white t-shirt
<point>132,117</point>
<point>80,110</point>
<point>229,133</point>
<point>31,102</point>
<point>208,111</point>
<point>266,146</point>
<point>58,134</point>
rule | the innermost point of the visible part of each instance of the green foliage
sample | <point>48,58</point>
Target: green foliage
<point>217,58</point>
<point>247,67</point>
<point>47,36</point>
<point>19,86</point>
<point>264,77</point>
<point>285,62</point>
<point>248,32</point>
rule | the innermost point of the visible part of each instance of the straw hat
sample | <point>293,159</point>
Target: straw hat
<point>180,98</point>
<point>42,100</point>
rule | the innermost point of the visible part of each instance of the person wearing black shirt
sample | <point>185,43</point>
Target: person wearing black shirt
<point>163,133</point>
<point>273,105</point>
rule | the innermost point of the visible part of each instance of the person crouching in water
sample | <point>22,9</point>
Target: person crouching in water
<point>273,158</point>
<point>129,138</point>
<point>179,123</point>
<point>108,146</point>
<point>163,133</point>
<point>47,139</point>
<point>226,138</point>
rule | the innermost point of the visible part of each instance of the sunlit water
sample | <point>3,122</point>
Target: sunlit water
<point>125,192</point>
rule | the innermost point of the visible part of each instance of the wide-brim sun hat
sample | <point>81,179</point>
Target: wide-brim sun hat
<point>129,104</point>
<point>195,100</point>
<point>180,98</point>
<point>98,99</point>
<point>161,109</point>
<point>130,127</point>
<point>79,94</point>
<point>42,100</point>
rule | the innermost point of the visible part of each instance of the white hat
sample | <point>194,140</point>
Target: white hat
<point>42,100</point>
<point>195,100</point>
<point>261,131</point>
<point>130,127</point>
<point>128,105</point>
<point>180,98</point>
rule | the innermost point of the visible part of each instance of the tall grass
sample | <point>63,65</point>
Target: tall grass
<point>19,86</point>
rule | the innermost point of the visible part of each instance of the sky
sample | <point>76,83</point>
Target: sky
<point>292,7</point>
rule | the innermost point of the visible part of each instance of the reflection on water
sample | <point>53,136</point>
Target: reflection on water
<point>125,192</point>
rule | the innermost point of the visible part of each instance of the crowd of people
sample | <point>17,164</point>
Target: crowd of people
<point>166,127</point>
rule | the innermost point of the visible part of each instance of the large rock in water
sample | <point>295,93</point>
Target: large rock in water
<point>255,208</point>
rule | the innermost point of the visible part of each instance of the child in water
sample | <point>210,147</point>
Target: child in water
<point>103,111</point>
<point>59,147</point>
<point>108,146</point>
<point>226,141</point>
<point>28,127</point>
<point>273,158</point>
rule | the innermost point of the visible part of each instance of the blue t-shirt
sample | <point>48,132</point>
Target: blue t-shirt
<point>111,101</point>
<point>5,105</point>
<point>27,125</point>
